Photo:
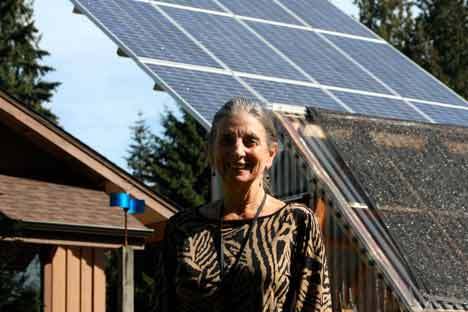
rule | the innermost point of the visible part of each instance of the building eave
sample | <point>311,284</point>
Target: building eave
<point>159,209</point>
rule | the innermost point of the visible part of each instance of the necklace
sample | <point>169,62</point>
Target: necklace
<point>220,250</point>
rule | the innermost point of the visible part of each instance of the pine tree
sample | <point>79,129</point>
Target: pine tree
<point>173,164</point>
<point>444,50</point>
<point>16,295</point>
<point>21,71</point>
<point>140,151</point>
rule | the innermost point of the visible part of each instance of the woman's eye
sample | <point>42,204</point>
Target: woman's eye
<point>250,141</point>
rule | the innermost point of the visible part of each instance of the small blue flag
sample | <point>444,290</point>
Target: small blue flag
<point>136,206</point>
<point>125,201</point>
<point>121,200</point>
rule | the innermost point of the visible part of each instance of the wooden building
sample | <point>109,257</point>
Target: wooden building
<point>54,189</point>
<point>391,197</point>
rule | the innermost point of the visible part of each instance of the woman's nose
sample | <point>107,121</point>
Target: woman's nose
<point>239,148</point>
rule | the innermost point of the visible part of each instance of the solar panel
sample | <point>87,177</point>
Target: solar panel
<point>205,92</point>
<point>396,71</point>
<point>318,58</point>
<point>445,115</point>
<point>295,52</point>
<point>324,15</point>
<point>263,9</point>
<point>200,4</point>
<point>236,46</point>
<point>282,93</point>
<point>137,26</point>
<point>379,106</point>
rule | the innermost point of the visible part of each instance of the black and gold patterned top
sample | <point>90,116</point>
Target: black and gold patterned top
<point>282,268</point>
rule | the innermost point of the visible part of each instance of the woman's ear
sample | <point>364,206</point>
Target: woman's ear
<point>273,150</point>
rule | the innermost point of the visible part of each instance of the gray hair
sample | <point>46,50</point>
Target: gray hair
<point>239,105</point>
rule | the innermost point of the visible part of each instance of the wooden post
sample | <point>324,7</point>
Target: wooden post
<point>126,274</point>
<point>59,279</point>
<point>99,280</point>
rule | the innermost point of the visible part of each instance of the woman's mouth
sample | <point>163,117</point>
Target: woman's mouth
<point>238,166</point>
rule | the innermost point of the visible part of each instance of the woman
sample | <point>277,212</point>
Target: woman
<point>248,251</point>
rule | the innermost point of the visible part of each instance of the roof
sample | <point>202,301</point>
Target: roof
<point>415,175</point>
<point>60,145</point>
<point>42,202</point>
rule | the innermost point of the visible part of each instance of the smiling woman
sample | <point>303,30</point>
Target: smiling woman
<point>242,146</point>
<point>248,251</point>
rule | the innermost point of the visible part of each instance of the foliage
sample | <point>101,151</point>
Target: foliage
<point>174,164</point>
<point>112,280</point>
<point>444,24</point>
<point>145,262</point>
<point>21,71</point>
<point>16,294</point>
<point>434,33</point>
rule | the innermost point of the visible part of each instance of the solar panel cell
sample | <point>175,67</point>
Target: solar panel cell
<point>200,4</point>
<point>324,15</point>
<point>264,9</point>
<point>396,71</point>
<point>276,92</point>
<point>205,92</point>
<point>233,44</point>
<point>379,106</point>
<point>318,58</point>
<point>146,32</point>
<point>445,115</point>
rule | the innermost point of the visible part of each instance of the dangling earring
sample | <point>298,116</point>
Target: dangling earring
<point>267,175</point>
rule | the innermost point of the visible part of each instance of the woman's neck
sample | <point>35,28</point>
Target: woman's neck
<point>242,204</point>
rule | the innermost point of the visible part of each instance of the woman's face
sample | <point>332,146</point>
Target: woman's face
<point>241,152</point>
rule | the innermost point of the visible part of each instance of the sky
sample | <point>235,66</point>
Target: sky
<point>101,93</point>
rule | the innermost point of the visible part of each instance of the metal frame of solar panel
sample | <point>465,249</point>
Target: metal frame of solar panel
<point>291,54</point>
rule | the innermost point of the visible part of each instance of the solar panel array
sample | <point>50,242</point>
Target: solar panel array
<point>287,52</point>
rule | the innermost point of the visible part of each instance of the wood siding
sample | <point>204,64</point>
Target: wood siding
<point>74,280</point>
<point>356,284</point>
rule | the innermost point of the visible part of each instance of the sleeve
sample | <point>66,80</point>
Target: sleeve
<point>164,289</point>
<point>313,293</point>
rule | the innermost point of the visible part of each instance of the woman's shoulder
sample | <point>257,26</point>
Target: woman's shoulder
<point>299,209</point>
<point>189,217</point>
<point>302,214</point>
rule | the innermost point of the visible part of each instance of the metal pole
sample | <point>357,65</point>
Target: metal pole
<point>125,228</point>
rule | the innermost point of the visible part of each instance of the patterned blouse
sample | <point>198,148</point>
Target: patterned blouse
<point>282,267</point>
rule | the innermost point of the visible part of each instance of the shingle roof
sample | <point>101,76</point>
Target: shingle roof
<point>78,157</point>
<point>37,201</point>
<point>416,175</point>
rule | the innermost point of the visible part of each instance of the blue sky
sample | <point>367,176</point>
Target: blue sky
<point>101,94</point>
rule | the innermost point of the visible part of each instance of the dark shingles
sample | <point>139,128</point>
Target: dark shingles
<point>416,174</point>
<point>435,264</point>
<point>38,201</point>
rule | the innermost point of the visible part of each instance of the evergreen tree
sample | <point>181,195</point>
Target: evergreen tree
<point>444,48</point>
<point>21,71</point>
<point>140,151</point>
<point>174,164</point>
<point>16,294</point>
